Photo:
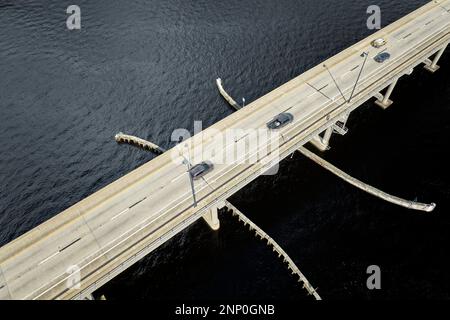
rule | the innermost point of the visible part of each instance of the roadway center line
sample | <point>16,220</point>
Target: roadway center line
<point>48,258</point>
<point>179,177</point>
<point>136,203</point>
<point>130,207</point>
<point>119,214</point>
<point>70,244</point>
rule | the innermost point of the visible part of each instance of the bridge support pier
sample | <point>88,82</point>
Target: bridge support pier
<point>323,143</point>
<point>433,67</point>
<point>326,137</point>
<point>384,101</point>
<point>212,218</point>
<point>89,297</point>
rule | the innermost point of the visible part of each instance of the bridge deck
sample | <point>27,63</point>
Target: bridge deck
<point>107,232</point>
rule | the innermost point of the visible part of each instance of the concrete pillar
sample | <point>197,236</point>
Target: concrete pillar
<point>89,297</point>
<point>433,67</point>
<point>322,143</point>
<point>317,143</point>
<point>212,218</point>
<point>327,136</point>
<point>345,118</point>
<point>386,102</point>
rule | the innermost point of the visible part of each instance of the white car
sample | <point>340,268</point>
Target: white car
<point>378,43</point>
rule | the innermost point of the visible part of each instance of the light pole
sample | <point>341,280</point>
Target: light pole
<point>187,162</point>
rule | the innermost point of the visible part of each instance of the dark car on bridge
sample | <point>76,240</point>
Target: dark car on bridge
<point>199,170</point>
<point>382,57</point>
<point>280,120</point>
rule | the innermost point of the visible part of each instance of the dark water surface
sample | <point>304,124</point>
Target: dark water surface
<point>149,67</point>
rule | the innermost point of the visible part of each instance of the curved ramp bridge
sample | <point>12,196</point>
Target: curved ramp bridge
<point>141,143</point>
<point>82,248</point>
<point>276,248</point>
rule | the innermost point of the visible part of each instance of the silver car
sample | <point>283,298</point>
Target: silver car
<point>378,43</point>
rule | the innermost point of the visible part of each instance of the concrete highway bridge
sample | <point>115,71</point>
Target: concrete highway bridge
<point>88,244</point>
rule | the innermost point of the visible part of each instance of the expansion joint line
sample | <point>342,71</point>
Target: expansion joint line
<point>2,276</point>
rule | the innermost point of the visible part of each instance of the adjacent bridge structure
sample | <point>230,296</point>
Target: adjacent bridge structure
<point>276,248</point>
<point>88,244</point>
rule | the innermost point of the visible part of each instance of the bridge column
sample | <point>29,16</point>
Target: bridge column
<point>339,127</point>
<point>322,143</point>
<point>433,67</point>
<point>385,102</point>
<point>327,136</point>
<point>345,118</point>
<point>211,217</point>
<point>89,297</point>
